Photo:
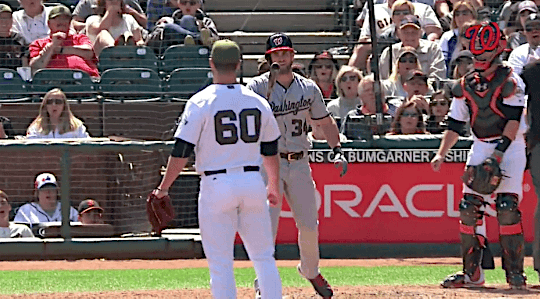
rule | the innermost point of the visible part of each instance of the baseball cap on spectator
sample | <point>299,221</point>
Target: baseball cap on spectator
<point>407,50</point>
<point>225,52</point>
<point>59,10</point>
<point>410,20</point>
<point>87,205</point>
<point>527,5</point>
<point>532,18</point>
<point>416,74</point>
<point>5,8</point>
<point>324,55</point>
<point>45,180</point>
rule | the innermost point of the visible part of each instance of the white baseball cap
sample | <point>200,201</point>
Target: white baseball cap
<point>45,179</point>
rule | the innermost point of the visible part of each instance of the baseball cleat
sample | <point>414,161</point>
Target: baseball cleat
<point>462,280</point>
<point>320,285</point>
<point>517,281</point>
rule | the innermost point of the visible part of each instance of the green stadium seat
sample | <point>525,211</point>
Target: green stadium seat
<point>76,84</point>
<point>181,56</point>
<point>127,56</point>
<point>130,84</point>
<point>183,83</point>
<point>12,86</point>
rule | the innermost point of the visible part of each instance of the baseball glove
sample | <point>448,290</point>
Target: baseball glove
<point>483,178</point>
<point>160,212</point>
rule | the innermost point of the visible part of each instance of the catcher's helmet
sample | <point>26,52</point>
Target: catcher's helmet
<point>277,42</point>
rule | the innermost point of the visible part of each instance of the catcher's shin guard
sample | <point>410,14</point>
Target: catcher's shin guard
<point>471,243</point>
<point>511,237</point>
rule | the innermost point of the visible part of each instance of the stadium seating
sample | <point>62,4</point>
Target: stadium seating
<point>127,56</point>
<point>130,84</point>
<point>12,86</point>
<point>75,84</point>
<point>180,56</point>
<point>185,82</point>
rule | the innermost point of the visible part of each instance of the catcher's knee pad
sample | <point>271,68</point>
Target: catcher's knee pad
<point>510,233</point>
<point>471,243</point>
<point>507,209</point>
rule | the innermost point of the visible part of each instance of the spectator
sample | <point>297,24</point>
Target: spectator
<point>6,129</point>
<point>9,229</point>
<point>188,25</point>
<point>463,13</point>
<point>156,9</point>
<point>438,108</point>
<point>47,208</point>
<point>31,21</point>
<point>347,81</point>
<point>462,64</point>
<point>262,66</point>
<point>323,69</point>
<point>86,8</point>
<point>408,120</point>
<point>62,50</point>
<point>299,68</point>
<point>508,17</point>
<point>429,53</point>
<point>113,26</point>
<point>387,16</point>
<point>445,8</point>
<point>90,212</point>
<point>406,61</point>
<point>55,119</point>
<point>528,52</point>
<point>518,38</point>
<point>13,51</point>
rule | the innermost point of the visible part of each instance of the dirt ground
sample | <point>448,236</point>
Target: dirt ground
<point>421,292</point>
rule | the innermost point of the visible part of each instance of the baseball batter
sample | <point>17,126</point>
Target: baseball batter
<point>295,101</point>
<point>492,99</point>
<point>233,133</point>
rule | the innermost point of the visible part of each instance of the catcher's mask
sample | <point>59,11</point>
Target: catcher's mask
<point>486,43</point>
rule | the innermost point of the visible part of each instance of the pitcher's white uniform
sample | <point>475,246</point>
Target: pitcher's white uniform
<point>227,123</point>
<point>293,107</point>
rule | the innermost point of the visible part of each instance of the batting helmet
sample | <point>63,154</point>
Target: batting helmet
<point>277,42</point>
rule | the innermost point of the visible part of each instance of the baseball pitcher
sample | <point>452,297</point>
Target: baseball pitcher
<point>296,102</point>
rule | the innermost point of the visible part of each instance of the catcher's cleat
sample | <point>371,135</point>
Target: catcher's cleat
<point>462,280</point>
<point>320,285</point>
<point>257,290</point>
<point>517,281</point>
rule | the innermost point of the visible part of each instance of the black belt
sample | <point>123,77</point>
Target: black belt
<point>292,156</point>
<point>491,141</point>
<point>246,169</point>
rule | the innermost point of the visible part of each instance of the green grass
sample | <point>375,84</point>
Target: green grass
<point>17,282</point>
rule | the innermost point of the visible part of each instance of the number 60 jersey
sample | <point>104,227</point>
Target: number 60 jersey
<point>227,123</point>
<point>293,107</point>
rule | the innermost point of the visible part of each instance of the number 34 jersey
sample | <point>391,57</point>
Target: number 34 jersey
<point>293,108</point>
<point>227,123</point>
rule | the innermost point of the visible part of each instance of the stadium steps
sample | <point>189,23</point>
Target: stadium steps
<point>304,42</point>
<point>274,21</point>
<point>250,62</point>
<point>268,5</point>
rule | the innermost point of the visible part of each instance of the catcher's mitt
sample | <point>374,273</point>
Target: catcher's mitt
<point>160,212</point>
<point>483,178</point>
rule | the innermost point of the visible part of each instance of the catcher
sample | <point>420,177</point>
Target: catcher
<point>491,99</point>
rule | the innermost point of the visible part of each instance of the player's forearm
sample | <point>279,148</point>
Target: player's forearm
<point>271,165</point>
<point>174,168</point>
<point>330,132</point>
<point>449,140</point>
<point>511,129</point>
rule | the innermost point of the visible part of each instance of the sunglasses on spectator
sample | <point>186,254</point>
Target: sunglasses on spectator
<point>192,3</point>
<point>532,28</point>
<point>409,59</point>
<point>458,13</point>
<point>54,101</point>
<point>401,13</point>
<point>328,66</point>
<point>349,78</point>
<point>409,114</point>
<point>439,103</point>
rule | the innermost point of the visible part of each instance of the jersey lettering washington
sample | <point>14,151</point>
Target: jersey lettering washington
<point>287,107</point>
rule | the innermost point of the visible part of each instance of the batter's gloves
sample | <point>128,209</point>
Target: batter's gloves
<point>483,178</point>
<point>340,160</point>
<point>160,212</point>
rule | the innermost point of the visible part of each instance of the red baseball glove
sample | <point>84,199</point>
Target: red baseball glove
<point>160,212</point>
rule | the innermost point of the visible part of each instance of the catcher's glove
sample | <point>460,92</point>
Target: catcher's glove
<point>160,212</point>
<point>483,178</point>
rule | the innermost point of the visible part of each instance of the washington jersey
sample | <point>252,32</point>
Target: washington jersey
<point>489,103</point>
<point>293,108</point>
<point>227,123</point>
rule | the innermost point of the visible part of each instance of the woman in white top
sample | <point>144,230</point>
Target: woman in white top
<point>113,26</point>
<point>55,119</point>
<point>9,229</point>
<point>347,81</point>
